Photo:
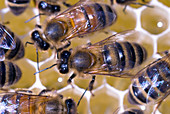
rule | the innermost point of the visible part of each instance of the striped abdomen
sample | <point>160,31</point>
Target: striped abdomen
<point>152,83</point>
<point>120,56</point>
<point>9,73</point>
<point>92,17</point>
<point>16,53</point>
<point>32,104</point>
<point>17,6</point>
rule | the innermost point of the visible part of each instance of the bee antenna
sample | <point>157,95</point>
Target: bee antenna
<point>45,69</point>
<point>81,97</point>
<point>34,17</point>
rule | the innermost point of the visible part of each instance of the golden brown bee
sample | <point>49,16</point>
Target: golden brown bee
<point>11,47</point>
<point>107,57</point>
<point>10,73</point>
<point>151,85</point>
<point>82,18</point>
<point>36,104</point>
<point>17,7</point>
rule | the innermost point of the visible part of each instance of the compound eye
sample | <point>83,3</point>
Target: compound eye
<point>63,68</point>
<point>35,34</point>
<point>65,54</point>
<point>55,30</point>
<point>42,5</point>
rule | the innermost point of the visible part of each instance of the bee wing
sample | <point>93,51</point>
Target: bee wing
<point>6,40</point>
<point>2,54</point>
<point>112,73</point>
<point>151,79</point>
<point>113,38</point>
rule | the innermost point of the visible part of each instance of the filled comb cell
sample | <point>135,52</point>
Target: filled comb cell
<point>154,20</point>
<point>10,73</point>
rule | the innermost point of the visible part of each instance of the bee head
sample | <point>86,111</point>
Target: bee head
<point>63,65</point>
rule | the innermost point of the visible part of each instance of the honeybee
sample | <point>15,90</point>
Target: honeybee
<point>10,73</point>
<point>107,57</point>
<point>17,7</point>
<point>11,46</point>
<point>82,18</point>
<point>36,104</point>
<point>151,84</point>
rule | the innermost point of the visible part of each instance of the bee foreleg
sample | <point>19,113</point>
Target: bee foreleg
<point>28,43</point>
<point>23,91</point>
<point>65,46</point>
<point>44,92</point>
<point>69,81</point>
<point>37,60</point>
<point>91,84</point>
<point>159,103</point>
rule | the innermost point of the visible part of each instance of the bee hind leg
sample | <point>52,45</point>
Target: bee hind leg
<point>69,81</point>
<point>91,84</point>
<point>159,103</point>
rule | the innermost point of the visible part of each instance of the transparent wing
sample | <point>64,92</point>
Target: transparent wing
<point>118,36</point>
<point>153,80</point>
<point>6,39</point>
<point>2,54</point>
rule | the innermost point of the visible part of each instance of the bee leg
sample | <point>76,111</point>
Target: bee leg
<point>28,43</point>
<point>44,91</point>
<point>65,46</point>
<point>91,84</point>
<point>164,53</point>
<point>124,9</point>
<point>23,91</point>
<point>66,4</point>
<point>37,59</point>
<point>159,103</point>
<point>69,81</point>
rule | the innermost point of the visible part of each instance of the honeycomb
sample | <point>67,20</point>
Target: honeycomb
<point>153,30</point>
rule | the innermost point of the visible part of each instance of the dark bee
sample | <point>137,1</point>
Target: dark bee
<point>36,104</point>
<point>82,18</point>
<point>10,73</point>
<point>11,46</point>
<point>107,57</point>
<point>17,7</point>
<point>151,85</point>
